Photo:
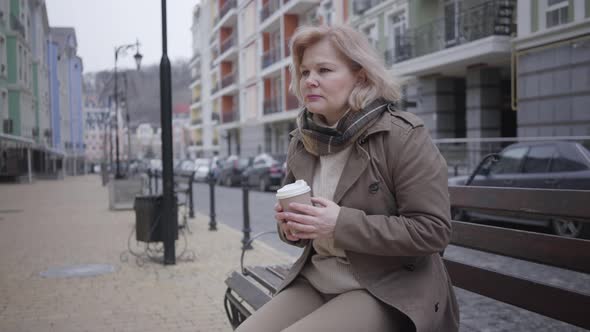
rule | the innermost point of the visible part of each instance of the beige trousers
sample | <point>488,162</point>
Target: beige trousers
<point>300,307</point>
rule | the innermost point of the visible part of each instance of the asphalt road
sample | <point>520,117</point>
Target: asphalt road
<point>477,313</point>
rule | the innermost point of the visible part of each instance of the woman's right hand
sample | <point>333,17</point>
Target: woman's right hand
<point>287,231</point>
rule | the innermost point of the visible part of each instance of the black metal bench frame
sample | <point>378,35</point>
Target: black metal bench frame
<point>252,287</point>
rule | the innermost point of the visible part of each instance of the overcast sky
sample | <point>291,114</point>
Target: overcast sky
<point>103,24</point>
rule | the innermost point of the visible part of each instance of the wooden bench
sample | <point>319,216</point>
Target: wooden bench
<point>249,289</point>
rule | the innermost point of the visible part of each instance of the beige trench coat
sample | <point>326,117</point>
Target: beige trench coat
<point>392,238</point>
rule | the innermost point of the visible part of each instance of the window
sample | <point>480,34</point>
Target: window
<point>557,12</point>
<point>539,159</point>
<point>452,11</point>
<point>509,162</point>
<point>371,33</point>
<point>3,66</point>
<point>573,163</point>
<point>395,35</point>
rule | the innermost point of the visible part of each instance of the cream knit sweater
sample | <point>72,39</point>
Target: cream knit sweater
<point>329,270</point>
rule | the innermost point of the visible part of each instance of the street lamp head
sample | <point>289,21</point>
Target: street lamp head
<point>138,58</point>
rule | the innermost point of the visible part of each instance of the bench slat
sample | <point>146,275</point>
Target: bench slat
<point>558,303</point>
<point>280,270</point>
<point>567,203</point>
<point>251,294</point>
<point>534,247</point>
<point>265,277</point>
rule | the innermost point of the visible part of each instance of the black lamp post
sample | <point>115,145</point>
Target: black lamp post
<point>137,58</point>
<point>168,217</point>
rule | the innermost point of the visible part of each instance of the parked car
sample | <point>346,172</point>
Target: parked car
<point>201,169</point>
<point>266,171</point>
<point>231,170</point>
<point>548,165</point>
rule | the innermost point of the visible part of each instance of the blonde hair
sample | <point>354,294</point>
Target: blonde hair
<point>376,80</point>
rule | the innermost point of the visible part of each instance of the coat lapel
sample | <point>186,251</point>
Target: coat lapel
<point>356,165</point>
<point>302,164</point>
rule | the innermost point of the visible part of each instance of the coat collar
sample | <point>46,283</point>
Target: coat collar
<point>303,164</point>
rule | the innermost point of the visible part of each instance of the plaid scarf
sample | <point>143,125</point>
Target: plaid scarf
<point>319,140</point>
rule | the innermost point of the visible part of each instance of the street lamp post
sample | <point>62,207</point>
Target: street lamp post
<point>137,58</point>
<point>168,217</point>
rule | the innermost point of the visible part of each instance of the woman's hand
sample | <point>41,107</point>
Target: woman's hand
<point>287,231</point>
<point>310,222</point>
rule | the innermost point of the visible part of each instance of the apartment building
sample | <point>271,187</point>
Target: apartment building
<point>454,57</point>
<point>27,135</point>
<point>69,74</point>
<point>552,68</point>
<point>241,48</point>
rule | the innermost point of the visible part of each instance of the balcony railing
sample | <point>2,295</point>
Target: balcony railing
<point>268,9</point>
<point>287,48</point>
<point>361,6</point>
<point>196,99</point>
<point>292,102</point>
<point>227,6</point>
<point>272,105</point>
<point>271,56</point>
<point>227,43</point>
<point>230,116</point>
<point>228,79</point>
<point>16,24</point>
<point>490,18</point>
<point>215,86</point>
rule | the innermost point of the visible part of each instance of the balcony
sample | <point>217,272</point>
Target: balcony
<point>227,6</point>
<point>196,99</point>
<point>488,19</point>
<point>268,9</point>
<point>287,48</point>
<point>215,86</point>
<point>292,102</point>
<point>272,105</point>
<point>228,80</point>
<point>230,116</point>
<point>227,43</point>
<point>271,56</point>
<point>361,6</point>
<point>16,25</point>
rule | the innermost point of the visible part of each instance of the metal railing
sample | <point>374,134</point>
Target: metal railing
<point>230,116</point>
<point>227,6</point>
<point>271,56</point>
<point>361,6</point>
<point>196,99</point>
<point>215,86</point>
<point>227,43</point>
<point>292,102</point>
<point>493,17</point>
<point>268,9</point>
<point>16,24</point>
<point>272,105</point>
<point>228,79</point>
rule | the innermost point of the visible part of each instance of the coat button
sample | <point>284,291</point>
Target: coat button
<point>374,187</point>
<point>410,267</point>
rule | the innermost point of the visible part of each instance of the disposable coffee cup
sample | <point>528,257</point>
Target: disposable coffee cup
<point>296,192</point>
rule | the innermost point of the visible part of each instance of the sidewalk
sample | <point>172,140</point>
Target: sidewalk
<point>54,224</point>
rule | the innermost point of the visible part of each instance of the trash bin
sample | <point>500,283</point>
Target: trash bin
<point>149,226</point>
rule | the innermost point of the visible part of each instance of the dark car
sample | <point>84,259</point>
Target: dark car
<point>230,172</point>
<point>266,171</point>
<point>547,165</point>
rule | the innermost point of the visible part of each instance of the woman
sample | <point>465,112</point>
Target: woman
<point>381,207</point>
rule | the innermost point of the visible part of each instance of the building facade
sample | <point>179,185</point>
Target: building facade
<point>469,68</point>
<point>28,80</point>
<point>69,75</point>
<point>552,60</point>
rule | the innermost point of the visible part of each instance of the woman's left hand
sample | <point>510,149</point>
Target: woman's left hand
<point>313,222</point>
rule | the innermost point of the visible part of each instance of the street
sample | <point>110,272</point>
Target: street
<point>477,313</point>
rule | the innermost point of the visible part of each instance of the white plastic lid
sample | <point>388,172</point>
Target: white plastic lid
<point>296,188</point>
